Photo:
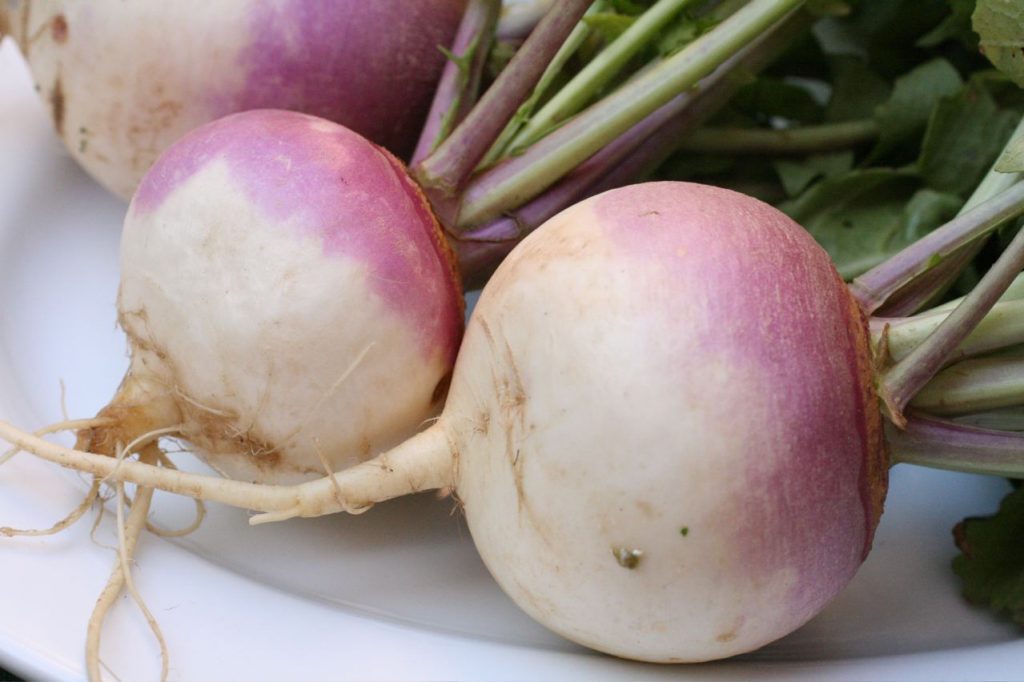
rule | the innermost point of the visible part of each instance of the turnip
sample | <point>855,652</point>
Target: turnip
<point>663,427</point>
<point>125,80</point>
<point>286,292</point>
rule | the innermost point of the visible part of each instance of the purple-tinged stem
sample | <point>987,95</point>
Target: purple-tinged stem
<point>445,170</point>
<point>923,289</point>
<point>926,289</point>
<point>656,149</point>
<point>900,383</point>
<point>519,18</point>
<point>460,81</point>
<point>942,444</point>
<point>645,144</point>
<point>519,179</point>
<point>875,286</point>
<point>809,139</point>
<point>973,386</point>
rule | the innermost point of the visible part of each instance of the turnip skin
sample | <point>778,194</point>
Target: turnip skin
<point>124,80</point>
<point>285,289</point>
<point>663,357</point>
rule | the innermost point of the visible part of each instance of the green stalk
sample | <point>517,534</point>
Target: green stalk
<point>801,140</point>
<point>568,49</point>
<point>603,68</point>
<point>1002,327</point>
<point>1004,419</point>
<point>973,386</point>
<point>521,178</point>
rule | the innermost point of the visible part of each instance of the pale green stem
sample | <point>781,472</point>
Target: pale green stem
<point>1013,292</point>
<point>801,140</point>
<point>1004,419</point>
<point>521,178</point>
<point>973,386</point>
<point>444,171</point>
<point>555,68</point>
<point>603,68</point>
<point>1002,327</point>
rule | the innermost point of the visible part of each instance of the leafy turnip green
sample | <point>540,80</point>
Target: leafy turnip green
<point>910,73</point>
<point>1000,24</point>
<point>991,564</point>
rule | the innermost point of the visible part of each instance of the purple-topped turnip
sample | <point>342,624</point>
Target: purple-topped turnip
<point>125,80</point>
<point>306,318</point>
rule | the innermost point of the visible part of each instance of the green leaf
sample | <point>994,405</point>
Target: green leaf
<point>857,91</point>
<point>965,134</point>
<point>631,7</point>
<point>991,563</point>
<point>797,175</point>
<point>690,166</point>
<point>770,97</point>
<point>864,216</point>
<point>681,33</point>
<point>889,30</point>
<point>829,8</point>
<point>608,25</point>
<point>926,210</point>
<point>902,119</point>
<point>1000,25</point>
<point>1012,159</point>
<point>956,26</point>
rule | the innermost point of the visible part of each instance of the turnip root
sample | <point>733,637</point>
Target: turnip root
<point>662,428</point>
<point>290,301</point>
<point>125,80</point>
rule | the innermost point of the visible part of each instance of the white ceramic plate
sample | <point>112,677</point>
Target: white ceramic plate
<point>396,594</point>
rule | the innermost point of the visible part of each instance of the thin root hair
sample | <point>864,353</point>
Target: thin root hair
<point>69,520</point>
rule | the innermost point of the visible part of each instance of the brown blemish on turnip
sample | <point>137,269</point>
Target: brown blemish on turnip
<point>646,509</point>
<point>483,423</point>
<point>57,106</point>
<point>59,29</point>
<point>511,401</point>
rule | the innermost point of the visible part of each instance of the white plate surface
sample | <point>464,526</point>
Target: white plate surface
<point>396,594</point>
